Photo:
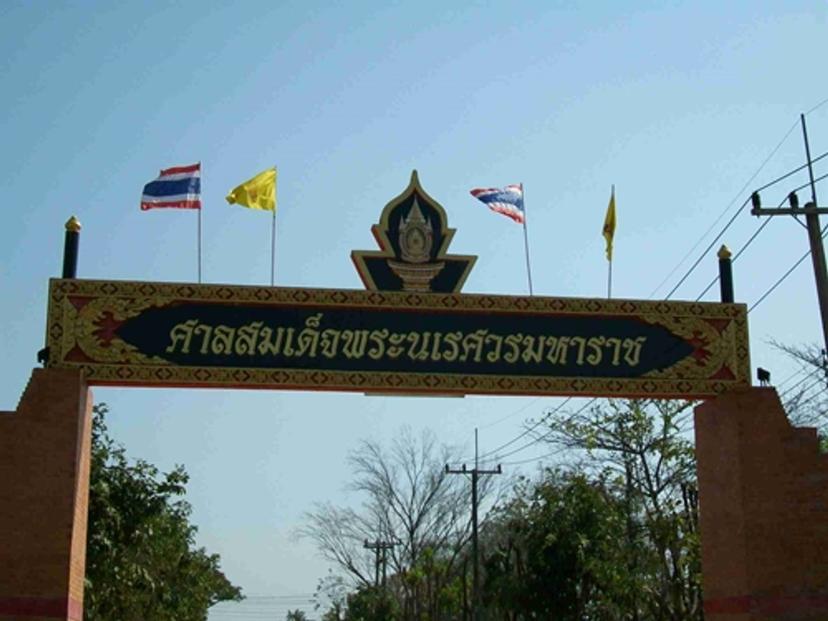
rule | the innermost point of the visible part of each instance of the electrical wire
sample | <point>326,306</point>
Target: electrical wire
<point>733,218</point>
<point>704,253</point>
<point>819,105</point>
<point>717,220</point>
<point>791,173</point>
<point>544,436</point>
<point>797,383</point>
<point>692,268</point>
<point>526,431</point>
<point>819,381</point>
<point>817,180</point>
<point>802,391</point>
<point>818,393</point>
<point>759,230</point>
<point>507,417</point>
<point>531,459</point>
<point>780,281</point>
<point>754,236</point>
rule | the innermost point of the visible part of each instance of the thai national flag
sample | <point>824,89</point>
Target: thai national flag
<point>508,201</point>
<point>178,188</point>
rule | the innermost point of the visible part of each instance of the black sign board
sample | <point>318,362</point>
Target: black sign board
<point>393,342</point>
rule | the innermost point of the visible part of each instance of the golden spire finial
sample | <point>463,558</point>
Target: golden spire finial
<point>724,252</point>
<point>73,224</point>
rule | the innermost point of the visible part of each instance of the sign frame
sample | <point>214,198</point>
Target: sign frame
<point>84,315</point>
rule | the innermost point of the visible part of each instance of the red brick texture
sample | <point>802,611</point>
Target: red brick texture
<point>763,511</point>
<point>44,491</point>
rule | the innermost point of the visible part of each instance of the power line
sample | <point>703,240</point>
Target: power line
<point>717,220</point>
<point>731,203</point>
<point>780,281</point>
<point>824,232</point>
<point>819,105</point>
<point>261,607</point>
<point>818,393</point>
<point>796,373</point>
<point>543,437</point>
<point>800,382</point>
<point>791,173</point>
<point>819,380</point>
<point>733,218</point>
<point>764,224</point>
<point>692,268</point>
<point>705,252</point>
<point>249,598</point>
<point>816,235</point>
<point>531,459</point>
<point>703,255</point>
<point>527,431</point>
<point>515,413</point>
<point>736,256</point>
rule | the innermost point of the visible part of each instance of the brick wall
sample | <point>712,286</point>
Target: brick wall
<point>44,490</point>
<point>763,505</point>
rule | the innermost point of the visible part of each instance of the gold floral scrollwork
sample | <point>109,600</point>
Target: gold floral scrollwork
<point>87,326</point>
<point>713,349</point>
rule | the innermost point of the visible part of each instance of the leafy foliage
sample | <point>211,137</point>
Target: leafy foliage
<point>141,559</point>
<point>555,551</point>
<point>370,603</point>
<point>612,536</point>
<point>642,447</point>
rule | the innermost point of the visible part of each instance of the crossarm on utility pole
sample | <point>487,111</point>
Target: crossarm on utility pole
<point>475,476</point>
<point>811,212</point>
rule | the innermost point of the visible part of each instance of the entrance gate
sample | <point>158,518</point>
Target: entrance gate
<point>762,484</point>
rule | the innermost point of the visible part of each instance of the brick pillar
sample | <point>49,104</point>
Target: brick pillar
<point>44,490</point>
<point>763,511</point>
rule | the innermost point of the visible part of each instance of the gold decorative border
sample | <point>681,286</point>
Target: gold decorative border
<point>681,381</point>
<point>399,383</point>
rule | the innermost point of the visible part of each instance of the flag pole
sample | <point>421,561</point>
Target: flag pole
<point>199,245</point>
<point>526,240</point>
<point>609,280</point>
<point>609,267</point>
<point>273,249</point>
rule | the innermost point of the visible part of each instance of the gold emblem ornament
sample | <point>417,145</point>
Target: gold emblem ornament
<point>416,240</point>
<point>414,236</point>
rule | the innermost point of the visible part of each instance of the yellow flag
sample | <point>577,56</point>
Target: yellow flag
<point>609,224</point>
<point>256,193</point>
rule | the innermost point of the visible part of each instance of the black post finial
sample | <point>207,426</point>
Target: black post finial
<point>70,248</point>
<point>725,274</point>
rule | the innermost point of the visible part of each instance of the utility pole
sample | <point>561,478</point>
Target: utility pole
<point>380,549</point>
<point>475,475</point>
<point>811,212</point>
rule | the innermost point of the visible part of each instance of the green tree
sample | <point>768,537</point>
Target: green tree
<point>642,447</point>
<point>296,615</point>
<point>370,603</point>
<point>141,561</point>
<point>553,551</point>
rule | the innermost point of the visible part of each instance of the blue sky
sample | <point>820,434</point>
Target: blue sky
<point>681,105</point>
